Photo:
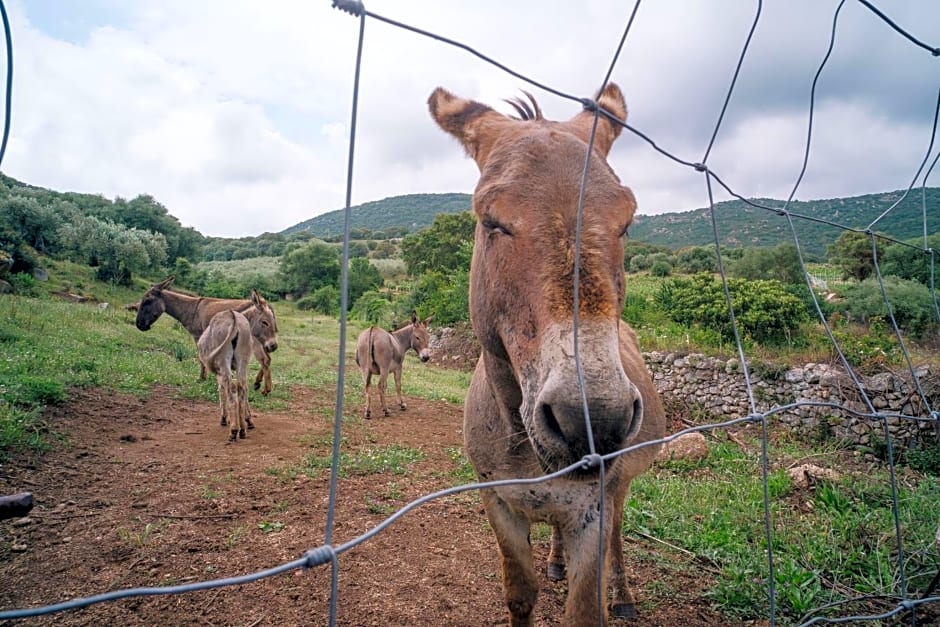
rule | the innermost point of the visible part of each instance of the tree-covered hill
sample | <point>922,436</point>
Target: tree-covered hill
<point>742,225</point>
<point>389,217</point>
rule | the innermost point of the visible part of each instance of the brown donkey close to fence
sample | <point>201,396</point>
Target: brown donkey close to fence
<point>195,312</point>
<point>380,352</point>
<point>225,349</point>
<point>524,412</point>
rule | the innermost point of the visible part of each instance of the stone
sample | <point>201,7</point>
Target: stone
<point>688,447</point>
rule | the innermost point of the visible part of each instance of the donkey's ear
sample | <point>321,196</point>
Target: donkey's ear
<point>611,100</point>
<point>474,124</point>
<point>414,316</point>
<point>257,299</point>
<point>427,320</point>
<point>165,283</point>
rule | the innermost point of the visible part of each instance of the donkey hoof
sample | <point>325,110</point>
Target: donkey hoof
<point>403,407</point>
<point>232,439</point>
<point>556,572</point>
<point>387,413</point>
<point>241,433</point>
<point>257,385</point>
<point>223,422</point>
<point>251,425</point>
<point>368,414</point>
<point>623,610</point>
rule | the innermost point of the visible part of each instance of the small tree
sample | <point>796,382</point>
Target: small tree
<point>309,267</point>
<point>445,245</point>
<point>852,252</point>
<point>363,277</point>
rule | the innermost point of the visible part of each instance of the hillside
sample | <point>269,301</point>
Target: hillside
<point>404,214</point>
<point>742,225</point>
<point>739,224</point>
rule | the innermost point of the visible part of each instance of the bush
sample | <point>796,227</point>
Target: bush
<point>324,300</point>
<point>372,308</point>
<point>661,269</point>
<point>764,310</point>
<point>911,303</point>
<point>23,284</point>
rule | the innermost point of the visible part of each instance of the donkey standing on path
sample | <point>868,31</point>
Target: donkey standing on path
<point>195,312</point>
<point>380,352</point>
<point>551,389</point>
<point>225,349</point>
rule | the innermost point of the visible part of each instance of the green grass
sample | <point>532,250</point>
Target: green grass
<point>393,459</point>
<point>836,538</point>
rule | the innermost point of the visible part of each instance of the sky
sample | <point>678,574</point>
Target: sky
<point>236,115</point>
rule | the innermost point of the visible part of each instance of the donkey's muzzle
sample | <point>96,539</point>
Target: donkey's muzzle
<point>270,347</point>
<point>565,436</point>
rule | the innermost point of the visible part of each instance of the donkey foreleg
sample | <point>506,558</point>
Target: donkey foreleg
<point>583,608</point>
<point>622,603</point>
<point>520,584</point>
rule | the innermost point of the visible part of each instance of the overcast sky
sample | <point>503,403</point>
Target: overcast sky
<point>235,115</point>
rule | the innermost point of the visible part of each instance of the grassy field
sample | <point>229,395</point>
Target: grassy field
<point>830,542</point>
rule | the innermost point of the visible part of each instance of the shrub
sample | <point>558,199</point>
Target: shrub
<point>911,304</point>
<point>764,310</point>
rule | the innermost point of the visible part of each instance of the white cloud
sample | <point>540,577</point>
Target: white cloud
<point>238,120</point>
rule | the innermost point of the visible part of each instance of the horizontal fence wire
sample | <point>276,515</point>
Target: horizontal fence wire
<point>328,553</point>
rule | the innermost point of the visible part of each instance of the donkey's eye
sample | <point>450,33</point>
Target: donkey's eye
<point>625,231</point>
<point>492,226</point>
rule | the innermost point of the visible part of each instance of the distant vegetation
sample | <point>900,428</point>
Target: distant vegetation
<point>386,218</point>
<point>413,252</point>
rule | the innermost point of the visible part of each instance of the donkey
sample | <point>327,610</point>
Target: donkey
<point>225,349</point>
<point>380,352</point>
<point>195,312</point>
<point>526,412</point>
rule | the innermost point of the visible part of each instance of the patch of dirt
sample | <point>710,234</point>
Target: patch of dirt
<point>147,493</point>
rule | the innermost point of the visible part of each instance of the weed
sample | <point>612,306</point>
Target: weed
<point>235,534</point>
<point>139,539</point>
<point>271,527</point>
<point>393,459</point>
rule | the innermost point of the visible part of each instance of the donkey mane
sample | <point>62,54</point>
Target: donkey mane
<point>527,112</point>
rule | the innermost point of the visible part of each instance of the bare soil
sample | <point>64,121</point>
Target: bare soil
<point>147,493</point>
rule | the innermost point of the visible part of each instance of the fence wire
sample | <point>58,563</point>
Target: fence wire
<point>904,606</point>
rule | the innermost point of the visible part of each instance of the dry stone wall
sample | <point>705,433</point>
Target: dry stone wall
<point>716,389</point>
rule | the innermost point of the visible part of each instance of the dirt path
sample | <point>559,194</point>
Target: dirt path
<point>146,493</point>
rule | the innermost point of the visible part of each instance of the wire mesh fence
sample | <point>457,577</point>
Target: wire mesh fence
<point>903,603</point>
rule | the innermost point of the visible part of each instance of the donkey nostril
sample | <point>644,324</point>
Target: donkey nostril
<point>550,422</point>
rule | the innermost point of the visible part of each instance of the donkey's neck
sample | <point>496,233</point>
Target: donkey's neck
<point>185,309</point>
<point>403,337</point>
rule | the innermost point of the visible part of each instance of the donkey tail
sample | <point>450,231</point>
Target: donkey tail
<point>232,336</point>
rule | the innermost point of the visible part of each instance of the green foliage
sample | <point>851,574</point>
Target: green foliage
<point>373,308</point>
<point>911,261</point>
<point>309,267</point>
<point>118,251</point>
<point>324,300</point>
<point>447,297</point>
<point>764,310</point>
<point>632,248</point>
<point>389,217</point>
<point>641,262</point>
<point>393,459</point>
<point>741,223</point>
<point>695,259</point>
<point>362,277</point>
<point>845,537</point>
<point>780,263</point>
<point>23,284</point>
<point>911,303</point>
<point>444,246</point>
<point>661,269</point>
<point>852,252</point>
